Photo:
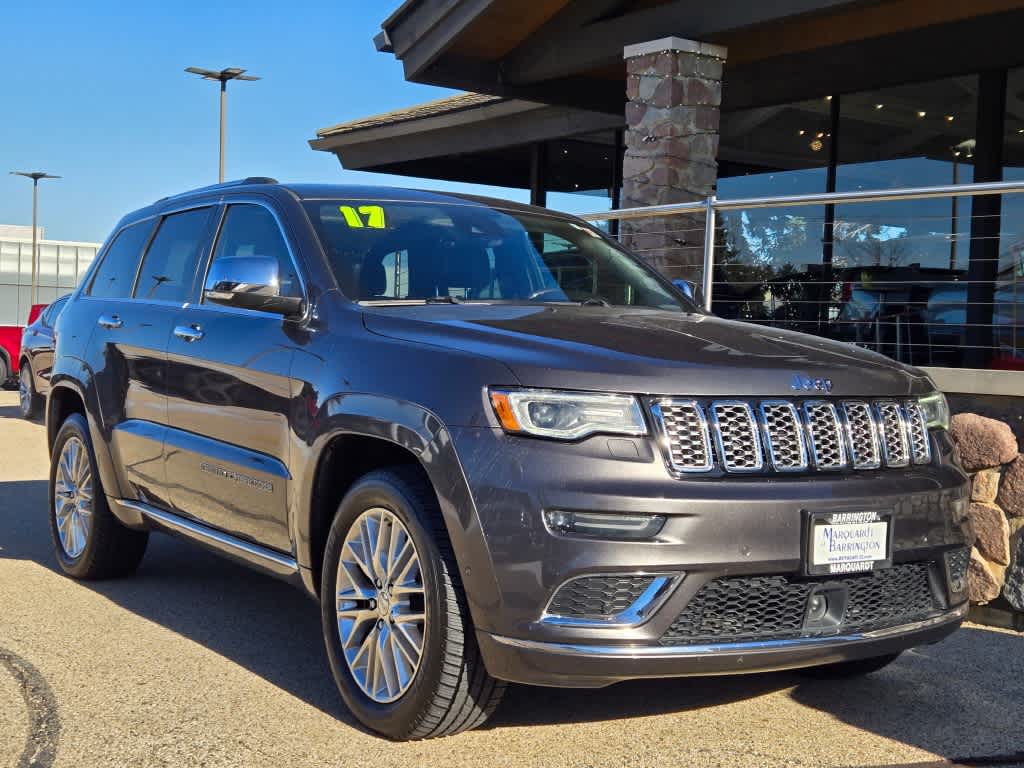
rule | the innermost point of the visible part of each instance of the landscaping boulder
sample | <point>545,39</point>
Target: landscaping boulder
<point>989,531</point>
<point>984,579</point>
<point>985,486</point>
<point>1011,489</point>
<point>983,443</point>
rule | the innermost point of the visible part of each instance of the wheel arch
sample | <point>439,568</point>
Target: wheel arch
<point>360,433</point>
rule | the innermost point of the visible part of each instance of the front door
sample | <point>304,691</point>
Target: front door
<point>229,389</point>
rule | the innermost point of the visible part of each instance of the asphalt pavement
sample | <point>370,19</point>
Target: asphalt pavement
<point>196,661</point>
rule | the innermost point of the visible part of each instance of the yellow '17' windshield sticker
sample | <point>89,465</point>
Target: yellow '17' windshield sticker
<point>371,216</point>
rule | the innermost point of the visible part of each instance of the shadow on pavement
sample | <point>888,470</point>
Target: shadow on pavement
<point>930,698</point>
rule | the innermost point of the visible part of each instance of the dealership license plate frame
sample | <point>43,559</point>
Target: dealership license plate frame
<point>841,518</point>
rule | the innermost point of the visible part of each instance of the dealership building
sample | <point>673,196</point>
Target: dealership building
<point>646,102</point>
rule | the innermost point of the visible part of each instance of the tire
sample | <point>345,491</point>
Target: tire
<point>95,545</point>
<point>5,371</point>
<point>29,400</point>
<point>450,690</point>
<point>849,669</point>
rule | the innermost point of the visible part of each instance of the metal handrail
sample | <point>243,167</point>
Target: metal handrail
<point>711,205</point>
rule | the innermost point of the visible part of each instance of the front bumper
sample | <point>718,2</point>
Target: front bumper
<point>579,665</point>
<point>715,527</point>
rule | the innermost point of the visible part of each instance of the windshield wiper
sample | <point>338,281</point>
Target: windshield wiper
<point>595,301</point>
<point>442,300</point>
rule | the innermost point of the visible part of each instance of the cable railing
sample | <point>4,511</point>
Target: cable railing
<point>923,284</point>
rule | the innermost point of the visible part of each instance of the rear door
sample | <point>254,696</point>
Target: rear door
<point>229,394</point>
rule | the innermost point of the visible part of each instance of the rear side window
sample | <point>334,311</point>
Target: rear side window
<point>169,269</point>
<point>252,230</point>
<point>116,272</point>
<point>52,312</point>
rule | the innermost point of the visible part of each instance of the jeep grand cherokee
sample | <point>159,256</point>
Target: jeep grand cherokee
<point>494,446</point>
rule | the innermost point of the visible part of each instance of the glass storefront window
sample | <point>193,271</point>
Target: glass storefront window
<point>1009,297</point>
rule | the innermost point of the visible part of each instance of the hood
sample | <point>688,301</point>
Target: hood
<point>645,351</point>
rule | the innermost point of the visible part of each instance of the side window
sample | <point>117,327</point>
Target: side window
<point>169,268</point>
<point>252,230</point>
<point>116,273</point>
<point>51,313</point>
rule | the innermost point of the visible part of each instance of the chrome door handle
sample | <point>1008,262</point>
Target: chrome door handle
<point>189,333</point>
<point>109,321</point>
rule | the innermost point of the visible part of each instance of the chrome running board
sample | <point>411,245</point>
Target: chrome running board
<point>251,554</point>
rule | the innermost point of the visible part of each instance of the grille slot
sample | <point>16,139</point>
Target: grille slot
<point>917,432</point>
<point>686,434</point>
<point>598,596</point>
<point>828,447</point>
<point>749,608</point>
<point>784,436</point>
<point>894,434</point>
<point>790,436</point>
<point>865,452</point>
<point>736,437</point>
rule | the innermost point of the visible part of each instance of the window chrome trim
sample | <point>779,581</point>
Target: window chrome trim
<point>226,203</point>
<point>639,611</point>
<point>800,434</point>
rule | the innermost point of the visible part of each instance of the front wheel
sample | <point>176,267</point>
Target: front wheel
<point>399,639</point>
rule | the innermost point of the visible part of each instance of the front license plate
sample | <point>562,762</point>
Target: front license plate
<point>848,542</point>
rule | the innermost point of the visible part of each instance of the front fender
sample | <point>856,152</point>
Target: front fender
<point>422,434</point>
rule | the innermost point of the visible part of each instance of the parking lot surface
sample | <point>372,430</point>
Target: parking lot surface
<point>197,661</point>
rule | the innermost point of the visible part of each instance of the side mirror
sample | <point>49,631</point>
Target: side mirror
<point>690,290</point>
<point>249,282</point>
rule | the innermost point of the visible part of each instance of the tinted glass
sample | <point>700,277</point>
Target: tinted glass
<point>169,269</point>
<point>251,230</point>
<point>116,273</point>
<point>51,313</point>
<point>409,250</point>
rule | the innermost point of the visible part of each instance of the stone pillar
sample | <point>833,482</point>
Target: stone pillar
<point>674,91</point>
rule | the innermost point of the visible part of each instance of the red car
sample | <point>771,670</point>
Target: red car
<point>10,345</point>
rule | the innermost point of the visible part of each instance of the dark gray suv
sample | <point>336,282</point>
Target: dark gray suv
<point>495,447</point>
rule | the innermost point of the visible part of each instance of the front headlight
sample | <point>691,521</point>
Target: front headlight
<point>567,415</point>
<point>934,410</point>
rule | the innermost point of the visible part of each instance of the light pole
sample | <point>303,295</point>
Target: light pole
<point>35,176</point>
<point>231,73</point>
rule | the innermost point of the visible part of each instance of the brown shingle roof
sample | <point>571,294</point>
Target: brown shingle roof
<point>418,111</point>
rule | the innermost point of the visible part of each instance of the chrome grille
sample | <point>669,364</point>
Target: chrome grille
<point>685,430</point>
<point>783,436</point>
<point>865,453</point>
<point>894,434</point>
<point>739,448</point>
<point>828,448</point>
<point>917,432</point>
<point>789,436</point>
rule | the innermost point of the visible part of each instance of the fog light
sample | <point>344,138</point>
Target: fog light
<point>604,525</point>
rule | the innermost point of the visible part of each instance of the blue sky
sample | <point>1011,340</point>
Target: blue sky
<point>95,92</point>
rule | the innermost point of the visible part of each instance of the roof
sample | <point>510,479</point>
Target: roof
<point>443,106</point>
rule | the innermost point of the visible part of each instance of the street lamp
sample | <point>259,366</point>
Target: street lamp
<point>35,176</point>
<point>231,73</point>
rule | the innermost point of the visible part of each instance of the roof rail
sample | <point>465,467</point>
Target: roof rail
<point>222,185</point>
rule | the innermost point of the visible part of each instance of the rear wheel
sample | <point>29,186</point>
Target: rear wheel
<point>395,621</point>
<point>89,541</point>
<point>848,669</point>
<point>5,370</point>
<point>28,399</point>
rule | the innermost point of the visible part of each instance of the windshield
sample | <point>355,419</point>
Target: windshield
<point>390,251</point>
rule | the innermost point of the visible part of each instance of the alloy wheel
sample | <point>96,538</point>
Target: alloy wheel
<point>73,497</point>
<point>380,605</point>
<point>25,389</point>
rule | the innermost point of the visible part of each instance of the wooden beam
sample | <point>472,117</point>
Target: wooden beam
<point>551,53</point>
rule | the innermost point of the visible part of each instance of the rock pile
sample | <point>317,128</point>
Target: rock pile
<point>994,523</point>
